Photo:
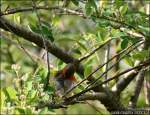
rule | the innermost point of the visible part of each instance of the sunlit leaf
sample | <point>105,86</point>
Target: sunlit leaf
<point>141,55</point>
<point>73,40</point>
<point>10,93</point>
<point>28,111</point>
<point>88,70</point>
<point>2,102</point>
<point>20,110</point>
<point>129,61</point>
<point>123,9</point>
<point>29,85</point>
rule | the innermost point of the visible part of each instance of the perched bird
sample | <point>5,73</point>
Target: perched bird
<point>65,79</point>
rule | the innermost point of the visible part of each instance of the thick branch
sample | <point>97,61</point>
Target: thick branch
<point>37,39</point>
<point>95,96</point>
<point>123,83</point>
<point>111,105</point>
<point>137,90</point>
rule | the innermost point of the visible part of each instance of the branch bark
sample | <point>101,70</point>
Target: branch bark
<point>103,97</point>
<point>138,86</point>
<point>124,82</point>
<point>95,96</point>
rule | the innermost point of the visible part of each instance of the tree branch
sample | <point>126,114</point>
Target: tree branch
<point>144,64</point>
<point>89,77</point>
<point>37,39</point>
<point>123,83</point>
<point>71,12</point>
<point>138,86</point>
<point>91,53</point>
<point>94,96</point>
<point>96,80</point>
<point>112,103</point>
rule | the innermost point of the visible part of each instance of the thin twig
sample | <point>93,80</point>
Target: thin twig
<point>144,64</point>
<point>107,58</point>
<point>92,52</point>
<point>100,66</point>
<point>92,83</point>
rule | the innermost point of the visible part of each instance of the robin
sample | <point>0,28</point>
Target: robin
<point>65,79</point>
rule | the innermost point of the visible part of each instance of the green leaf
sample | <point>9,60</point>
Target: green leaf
<point>28,111</point>
<point>81,87</point>
<point>103,23</point>
<point>34,28</point>
<point>118,3</point>
<point>88,9</point>
<point>10,93</point>
<point>75,2</point>
<point>123,9</point>
<point>146,30</point>
<point>124,43</point>
<point>33,93</point>
<point>77,51</point>
<point>98,37</point>
<point>129,61</point>
<point>43,111</point>
<point>88,67</point>
<point>82,45</point>
<point>55,20</point>
<point>46,111</point>
<point>88,70</point>
<point>17,18</point>
<point>29,85</point>
<point>20,110</point>
<point>117,33</point>
<point>73,40</point>
<point>103,34</point>
<point>60,63</point>
<point>31,96</point>
<point>93,4</point>
<point>141,55</point>
<point>50,89</point>
<point>2,102</point>
<point>41,74</point>
<point>46,29</point>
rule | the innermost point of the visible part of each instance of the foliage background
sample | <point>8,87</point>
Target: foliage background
<point>23,64</point>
